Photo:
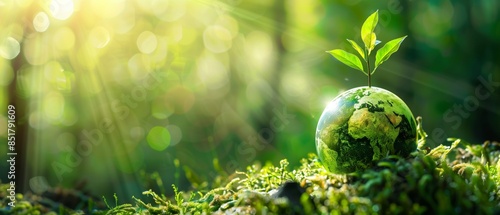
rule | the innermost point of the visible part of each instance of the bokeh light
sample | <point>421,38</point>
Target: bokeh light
<point>99,37</point>
<point>147,42</point>
<point>212,72</point>
<point>217,39</point>
<point>9,48</point>
<point>158,138</point>
<point>64,39</point>
<point>175,134</point>
<point>41,22</point>
<point>53,106</point>
<point>61,9</point>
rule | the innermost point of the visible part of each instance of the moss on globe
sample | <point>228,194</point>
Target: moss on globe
<point>361,126</point>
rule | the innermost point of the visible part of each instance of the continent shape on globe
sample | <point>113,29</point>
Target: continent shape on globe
<point>361,126</point>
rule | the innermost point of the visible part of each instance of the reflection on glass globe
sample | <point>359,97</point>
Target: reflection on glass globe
<point>361,126</point>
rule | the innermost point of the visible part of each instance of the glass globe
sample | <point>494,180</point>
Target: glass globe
<point>363,125</point>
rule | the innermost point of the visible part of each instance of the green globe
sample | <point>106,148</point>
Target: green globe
<point>361,126</point>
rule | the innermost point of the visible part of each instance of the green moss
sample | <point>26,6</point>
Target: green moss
<point>458,179</point>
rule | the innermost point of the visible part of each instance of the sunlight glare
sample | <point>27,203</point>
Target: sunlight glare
<point>61,9</point>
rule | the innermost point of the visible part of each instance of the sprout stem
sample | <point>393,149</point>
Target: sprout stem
<point>369,74</point>
<point>368,67</point>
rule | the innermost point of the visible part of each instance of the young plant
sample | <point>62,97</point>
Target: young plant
<point>365,124</point>
<point>370,41</point>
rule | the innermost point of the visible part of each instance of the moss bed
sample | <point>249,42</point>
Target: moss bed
<point>461,178</point>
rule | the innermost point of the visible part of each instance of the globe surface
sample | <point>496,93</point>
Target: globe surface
<point>363,125</point>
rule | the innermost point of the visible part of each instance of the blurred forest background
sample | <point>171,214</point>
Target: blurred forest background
<point>108,92</point>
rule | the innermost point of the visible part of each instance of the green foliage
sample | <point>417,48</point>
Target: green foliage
<point>357,48</point>
<point>386,51</point>
<point>347,58</point>
<point>370,41</point>
<point>367,34</point>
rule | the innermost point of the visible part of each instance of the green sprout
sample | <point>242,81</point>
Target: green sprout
<point>370,41</point>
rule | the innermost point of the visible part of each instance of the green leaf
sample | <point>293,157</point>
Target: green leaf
<point>367,29</point>
<point>348,59</point>
<point>357,48</point>
<point>372,43</point>
<point>387,50</point>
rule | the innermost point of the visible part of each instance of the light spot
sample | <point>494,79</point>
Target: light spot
<point>161,110</point>
<point>99,37</point>
<point>189,35</point>
<point>64,39</point>
<point>158,138</point>
<point>108,8</point>
<point>147,42</point>
<point>296,84</point>
<point>9,48</point>
<point>139,66</point>
<point>57,77</point>
<point>22,3</point>
<point>229,23</point>
<point>125,21</point>
<point>175,134</point>
<point>212,72</point>
<point>260,51</point>
<point>156,7</point>
<point>53,106</point>
<point>175,10</point>
<point>51,70</point>
<point>16,31</point>
<point>39,184</point>
<point>61,9</point>
<point>173,32</point>
<point>160,54</point>
<point>217,39</point>
<point>41,22</point>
